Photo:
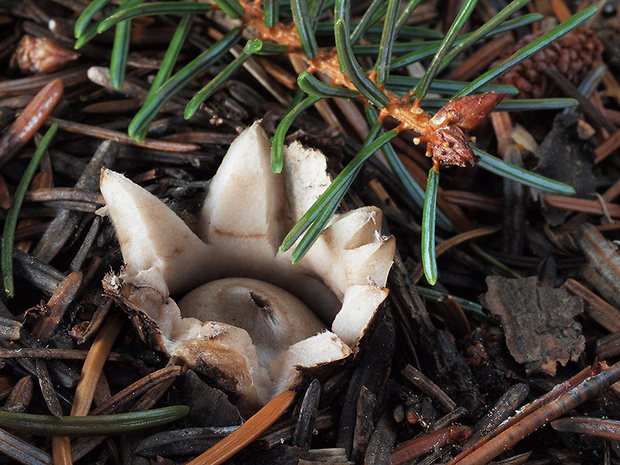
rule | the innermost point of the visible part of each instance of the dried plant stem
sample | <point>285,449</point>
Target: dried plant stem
<point>247,432</point>
<point>136,389</point>
<point>41,180</point>
<point>22,451</point>
<point>592,207</point>
<point>52,353</point>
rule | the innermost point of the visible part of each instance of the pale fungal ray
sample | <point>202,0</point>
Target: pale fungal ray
<point>246,316</point>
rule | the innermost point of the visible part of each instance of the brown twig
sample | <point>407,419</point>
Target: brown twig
<point>560,10</point>
<point>422,382</point>
<point>20,395</point>
<point>64,193</point>
<point>608,346</point>
<point>608,196</point>
<point>473,201</point>
<point>594,115</point>
<point>136,389</point>
<point>42,180</point>
<point>34,83</point>
<point>56,354</point>
<point>607,147</point>
<point>57,305</point>
<point>93,365</point>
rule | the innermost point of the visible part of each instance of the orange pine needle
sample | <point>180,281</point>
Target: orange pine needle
<point>247,432</point>
<point>93,365</point>
<point>560,10</point>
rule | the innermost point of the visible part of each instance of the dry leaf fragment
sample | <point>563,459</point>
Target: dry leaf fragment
<point>538,322</point>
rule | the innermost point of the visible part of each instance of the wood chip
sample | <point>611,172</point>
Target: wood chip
<point>538,322</point>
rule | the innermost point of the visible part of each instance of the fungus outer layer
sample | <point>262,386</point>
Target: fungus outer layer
<point>247,318</point>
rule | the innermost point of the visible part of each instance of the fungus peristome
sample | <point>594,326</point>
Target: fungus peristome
<point>245,315</point>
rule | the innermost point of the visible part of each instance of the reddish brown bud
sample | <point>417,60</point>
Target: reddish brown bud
<point>467,112</point>
<point>40,55</point>
<point>450,146</point>
<point>447,143</point>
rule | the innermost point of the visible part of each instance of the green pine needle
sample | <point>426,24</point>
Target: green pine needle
<point>526,52</point>
<point>139,126</point>
<point>352,69</point>
<point>305,28</point>
<point>152,9</point>
<point>87,15</point>
<point>382,65</point>
<point>312,86</point>
<point>271,10</point>
<point>91,425</point>
<point>231,7</point>
<point>459,22</point>
<point>120,52</point>
<point>277,144</point>
<point>429,260</point>
<point>506,170</point>
<point>8,235</point>
<point>170,58</point>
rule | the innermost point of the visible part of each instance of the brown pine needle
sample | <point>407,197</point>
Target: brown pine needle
<point>30,120</point>
<point>593,207</point>
<point>608,147</point>
<point>591,387</point>
<point>607,429</point>
<point>247,432</point>
<point>109,134</point>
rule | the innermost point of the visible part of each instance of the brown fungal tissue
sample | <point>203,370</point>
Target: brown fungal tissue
<point>225,299</point>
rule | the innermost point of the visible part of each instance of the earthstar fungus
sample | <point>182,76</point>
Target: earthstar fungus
<point>226,299</point>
